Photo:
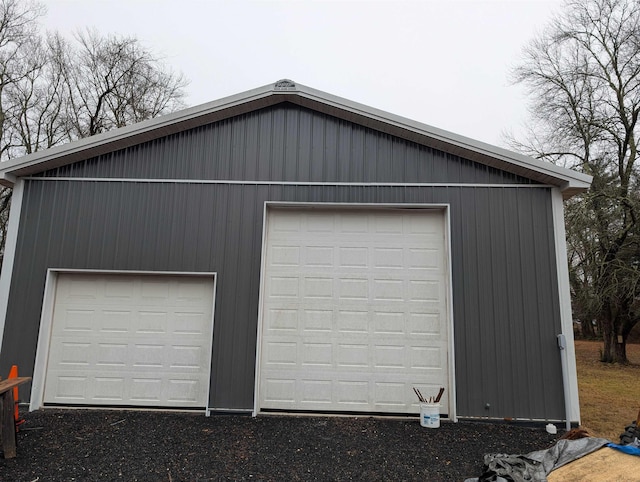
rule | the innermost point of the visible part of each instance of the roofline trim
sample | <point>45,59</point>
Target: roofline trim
<point>436,133</point>
<point>569,181</point>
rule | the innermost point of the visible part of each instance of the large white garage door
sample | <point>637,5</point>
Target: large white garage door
<point>354,310</point>
<point>130,340</point>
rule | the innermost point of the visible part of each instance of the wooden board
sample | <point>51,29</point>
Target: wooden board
<point>9,383</point>
<point>604,465</point>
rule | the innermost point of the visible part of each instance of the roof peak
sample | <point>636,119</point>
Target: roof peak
<point>285,84</point>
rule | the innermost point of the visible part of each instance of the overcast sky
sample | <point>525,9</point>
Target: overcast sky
<point>442,62</point>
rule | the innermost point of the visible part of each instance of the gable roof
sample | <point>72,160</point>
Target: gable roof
<point>570,182</point>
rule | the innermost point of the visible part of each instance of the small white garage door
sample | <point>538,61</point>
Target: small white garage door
<point>354,310</point>
<point>130,340</point>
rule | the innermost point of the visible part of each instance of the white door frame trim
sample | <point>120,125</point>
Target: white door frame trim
<point>46,321</point>
<point>446,208</point>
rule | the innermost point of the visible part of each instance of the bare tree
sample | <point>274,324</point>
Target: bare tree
<point>54,90</point>
<point>583,75</point>
<point>20,60</point>
<point>113,82</point>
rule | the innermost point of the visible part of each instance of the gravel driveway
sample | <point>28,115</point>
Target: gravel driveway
<point>65,445</point>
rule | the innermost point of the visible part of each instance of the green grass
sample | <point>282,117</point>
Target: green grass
<point>609,393</point>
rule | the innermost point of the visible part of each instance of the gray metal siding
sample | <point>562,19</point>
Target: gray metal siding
<point>287,143</point>
<point>505,303</point>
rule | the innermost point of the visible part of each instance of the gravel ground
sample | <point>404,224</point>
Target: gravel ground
<point>66,445</point>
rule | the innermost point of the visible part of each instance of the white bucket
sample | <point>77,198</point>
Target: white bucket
<point>430,415</point>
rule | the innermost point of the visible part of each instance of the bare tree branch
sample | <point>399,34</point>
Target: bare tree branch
<point>54,90</point>
<point>583,76</point>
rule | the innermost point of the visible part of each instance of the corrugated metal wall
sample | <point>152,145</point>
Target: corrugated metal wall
<point>505,302</point>
<point>287,143</point>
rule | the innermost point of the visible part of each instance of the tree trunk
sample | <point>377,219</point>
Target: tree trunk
<point>614,352</point>
<point>587,331</point>
<point>621,353</point>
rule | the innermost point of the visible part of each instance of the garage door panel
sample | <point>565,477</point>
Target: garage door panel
<point>351,320</point>
<point>317,320</point>
<point>183,390</point>
<point>146,391</point>
<point>406,321</point>
<point>109,388</point>
<point>355,310</point>
<point>281,352</point>
<point>285,255</point>
<point>126,388</point>
<point>353,256</point>
<point>111,354</point>
<point>317,287</point>
<point>347,393</point>
<point>152,322</point>
<point>279,392</point>
<point>153,352</point>
<point>78,353</point>
<point>319,256</point>
<point>113,321</point>
<point>77,320</point>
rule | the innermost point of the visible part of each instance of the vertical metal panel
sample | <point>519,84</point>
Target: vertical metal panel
<point>287,143</point>
<point>506,311</point>
<point>505,292</point>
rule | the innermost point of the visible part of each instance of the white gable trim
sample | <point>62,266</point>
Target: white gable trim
<point>570,182</point>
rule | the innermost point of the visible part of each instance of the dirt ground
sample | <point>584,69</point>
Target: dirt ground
<point>609,393</point>
<point>66,445</point>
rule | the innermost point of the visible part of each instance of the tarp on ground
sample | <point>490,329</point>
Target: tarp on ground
<point>535,466</point>
<point>627,449</point>
<point>604,465</point>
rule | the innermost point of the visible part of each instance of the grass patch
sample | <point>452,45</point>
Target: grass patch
<point>609,393</point>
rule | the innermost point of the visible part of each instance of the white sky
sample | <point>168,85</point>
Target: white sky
<point>441,62</point>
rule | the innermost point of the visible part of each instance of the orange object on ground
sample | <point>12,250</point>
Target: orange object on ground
<point>13,373</point>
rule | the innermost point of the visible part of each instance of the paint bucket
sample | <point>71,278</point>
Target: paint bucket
<point>430,415</point>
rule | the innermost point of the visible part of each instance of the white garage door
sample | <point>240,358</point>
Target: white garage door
<point>130,340</point>
<point>354,310</point>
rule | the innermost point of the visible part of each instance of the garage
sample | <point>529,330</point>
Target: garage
<point>130,340</point>
<point>346,245</point>
<point>354,309</point>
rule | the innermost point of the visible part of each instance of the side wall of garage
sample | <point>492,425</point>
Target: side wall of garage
<point>505,301</point>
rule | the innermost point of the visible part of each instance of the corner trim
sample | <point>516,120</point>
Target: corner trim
<point>564,297</point>
<point>10,252</point>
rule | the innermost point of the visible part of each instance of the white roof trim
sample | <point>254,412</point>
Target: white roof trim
<point>569,181</point>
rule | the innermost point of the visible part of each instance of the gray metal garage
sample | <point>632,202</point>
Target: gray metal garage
<point>346,255</point>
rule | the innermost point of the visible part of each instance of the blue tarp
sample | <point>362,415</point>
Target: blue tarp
<point>627,449</point>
